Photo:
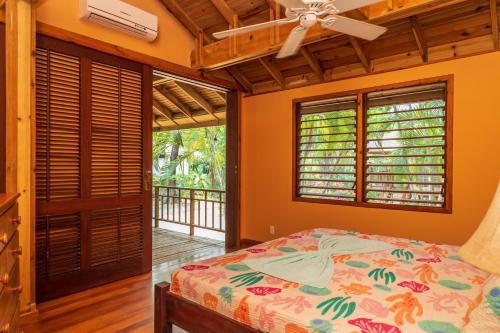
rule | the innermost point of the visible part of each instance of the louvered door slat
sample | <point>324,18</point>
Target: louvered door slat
<point>105,130</point>
<point>58,126</point>
<point>131,133</point>
<point>104,237</point>
<point>58,245</point>
<point>42,101</point>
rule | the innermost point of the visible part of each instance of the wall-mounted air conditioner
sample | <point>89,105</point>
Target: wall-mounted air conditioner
<point>120,16</point>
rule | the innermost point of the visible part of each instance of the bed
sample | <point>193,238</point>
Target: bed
<point>414,287</point>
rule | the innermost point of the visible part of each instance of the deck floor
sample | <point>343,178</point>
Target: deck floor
<point>172,249</point>
<point>126,305</point>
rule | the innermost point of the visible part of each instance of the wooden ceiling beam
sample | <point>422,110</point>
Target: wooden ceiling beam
<point>155,120</point>
<point>209,123</point>
<point>360,52</point>
<point>181,106</point>
<point>185,19</point>
<point>238,76</point>
<point>161,81</point>
<point>419,38</point>
<point>197,98</point>
<point>313,62</point>
<point>226,11</point>
<point>163,111</point>
<point>494,22</point>
<point>221,95</point>
<point>258,44</point>
<point>273,71</point>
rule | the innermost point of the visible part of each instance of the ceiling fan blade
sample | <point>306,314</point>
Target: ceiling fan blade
<point>292,43</point>
<point>291,3</point>
<point>237,31</point>
<point>352,27</point>
<point>347,5</point>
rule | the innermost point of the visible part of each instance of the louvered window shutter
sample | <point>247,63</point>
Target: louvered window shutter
<point>326,149</point>
<point>406,146</point>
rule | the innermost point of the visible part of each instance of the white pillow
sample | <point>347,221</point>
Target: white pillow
<point>485,318</point>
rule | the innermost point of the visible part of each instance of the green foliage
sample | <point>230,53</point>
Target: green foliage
<point>202,150</point>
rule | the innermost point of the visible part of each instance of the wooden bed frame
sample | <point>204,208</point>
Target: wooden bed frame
<point>171,309</point>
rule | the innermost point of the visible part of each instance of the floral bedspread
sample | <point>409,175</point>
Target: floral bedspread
<point>416,287</point>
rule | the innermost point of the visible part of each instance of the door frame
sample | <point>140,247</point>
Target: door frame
<point>233,128</point>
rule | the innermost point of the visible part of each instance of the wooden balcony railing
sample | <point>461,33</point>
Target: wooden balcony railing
<point>196,208</point>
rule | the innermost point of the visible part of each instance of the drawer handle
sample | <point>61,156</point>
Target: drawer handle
<point>4,239</point>
<point>18,252</point>
<point>5,328</point>
<point>17,220</point>
<point>16,290</point>
<point>4,279</point>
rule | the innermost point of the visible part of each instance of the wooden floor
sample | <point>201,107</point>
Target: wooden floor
<point>123,306</point>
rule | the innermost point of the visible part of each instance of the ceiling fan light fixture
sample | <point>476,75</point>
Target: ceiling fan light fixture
<point>310,12</point>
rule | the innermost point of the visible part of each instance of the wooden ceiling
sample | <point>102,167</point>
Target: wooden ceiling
<point>419,32</point>
<point>180,105</point>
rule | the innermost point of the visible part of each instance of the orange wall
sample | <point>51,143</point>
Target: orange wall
<point>174,42</point>
<point>267,160</point>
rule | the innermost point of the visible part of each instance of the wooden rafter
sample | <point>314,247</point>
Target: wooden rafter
<point>2,2</point>
<point>208,123</point>
<point>185,19</point>
<point>260,43</point>
<point>161,81</point>
<point>313,62</point>
<point>181,106</point>
<point>357,14</point>
<point>226,11</point>
<point>221,95</point>
<point>163,111</point>
<point>197,97</point>
<point>494,22</point>
<point>419,38</point>
<point>360,52</point>
<point>238,76</point>
<point>155,120</point>
<point>273,71</point>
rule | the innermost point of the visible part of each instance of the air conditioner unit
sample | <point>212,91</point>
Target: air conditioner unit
<point>120,16</point>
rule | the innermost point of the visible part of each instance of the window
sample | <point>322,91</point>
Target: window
<point>327,149</point>
<point>386,147</point>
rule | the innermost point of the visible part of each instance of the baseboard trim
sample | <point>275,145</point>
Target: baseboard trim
<point>244,243</point>
<point>32,311</point>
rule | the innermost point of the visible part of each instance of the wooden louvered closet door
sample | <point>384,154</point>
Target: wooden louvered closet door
<point>93,146</point>
<point>2,109</point>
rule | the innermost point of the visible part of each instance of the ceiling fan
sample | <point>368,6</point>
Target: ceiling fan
<point>309,12</point>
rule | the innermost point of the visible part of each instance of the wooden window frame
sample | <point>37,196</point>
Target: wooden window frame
<point>360,144</point>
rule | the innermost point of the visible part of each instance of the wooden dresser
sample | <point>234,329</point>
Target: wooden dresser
<point>10,251</point>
